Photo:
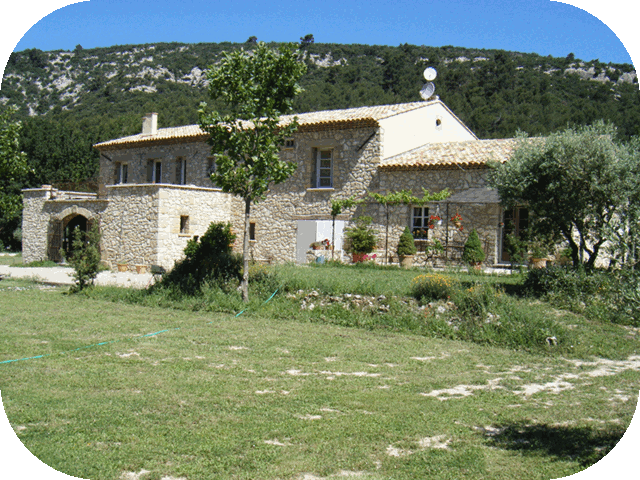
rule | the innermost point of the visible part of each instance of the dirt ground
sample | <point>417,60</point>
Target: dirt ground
<point>64,276</point>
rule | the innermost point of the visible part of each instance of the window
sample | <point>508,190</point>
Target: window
<point>252,231</point>
<point>157,173</point>
<point>181,171</point>
<point>154,171</point>
<point>184,224</point>
<point>122,170</point>
<point>420,223</point>
<point>289,143</point>
<point>324,169</point>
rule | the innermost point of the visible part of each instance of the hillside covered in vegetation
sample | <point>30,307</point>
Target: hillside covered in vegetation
<point>70,100</point>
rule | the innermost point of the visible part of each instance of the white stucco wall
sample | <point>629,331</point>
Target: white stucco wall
<point>413,129</point>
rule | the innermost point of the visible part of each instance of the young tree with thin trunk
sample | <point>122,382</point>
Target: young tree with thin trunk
<point>257,86</point>
<point>337,205</point>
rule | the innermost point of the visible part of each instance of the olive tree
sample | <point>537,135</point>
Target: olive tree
<point>257,87</point>
<point>573,183</point>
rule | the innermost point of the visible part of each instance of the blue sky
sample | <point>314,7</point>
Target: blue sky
<point>540,26</point>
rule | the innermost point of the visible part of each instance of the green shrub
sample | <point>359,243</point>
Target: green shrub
<point>207,259</point>
<point>85,258</point>
<point>565,282</point>
<point>406,245</point>
<point>361,237</point>
<point>432,286</point>
<point>473,252</point>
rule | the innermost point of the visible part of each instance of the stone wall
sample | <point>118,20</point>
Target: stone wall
<point>130,225</point>
<point>199,206</point>
<point>196,154</point>
<point>485,218</point>
<point>356,154</point>
<point>43,207</point>
<point>142,223</point>
<point>35,224</point>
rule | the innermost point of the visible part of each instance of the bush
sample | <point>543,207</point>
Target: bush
<point>85,258</point>
<point>361,237</point>
<point>432,286</point>
<point>565,282</point>
<point>406,245</point>
<point>473,252</point>
<point>207,259</point>
<point>607,295</point>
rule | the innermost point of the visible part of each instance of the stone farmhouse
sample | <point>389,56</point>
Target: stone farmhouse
<point>155,190</point>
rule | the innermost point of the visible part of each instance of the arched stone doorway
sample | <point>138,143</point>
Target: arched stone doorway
<point>75,225</point>
<point>63,229</point>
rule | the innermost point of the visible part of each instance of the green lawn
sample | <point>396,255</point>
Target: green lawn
<point>11,260</point>
<point>265,396</point>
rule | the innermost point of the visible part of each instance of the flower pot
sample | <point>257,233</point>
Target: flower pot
<point>123,267</point>
<point>358,257</point>
<point>406,261</point>
<point>538,262</point>
<point>141,268</point>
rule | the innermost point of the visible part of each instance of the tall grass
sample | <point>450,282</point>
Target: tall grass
<point>460,305</point>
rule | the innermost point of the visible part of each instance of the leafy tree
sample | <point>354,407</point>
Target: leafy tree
<point>257,87</point>
<point>473,253</point>
<point>13,165</point>
<point>336,209</point>
<point>252,39</point>
<point>306,40</point>
<point>572,182</point>
<point>624,229</point>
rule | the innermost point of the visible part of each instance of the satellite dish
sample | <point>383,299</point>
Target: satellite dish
<point>430,74</point>
<point>427,90</point>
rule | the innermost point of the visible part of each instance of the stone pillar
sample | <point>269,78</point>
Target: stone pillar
<point>35,223</point>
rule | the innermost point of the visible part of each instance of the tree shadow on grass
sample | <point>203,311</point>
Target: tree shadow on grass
<point>586,445</point>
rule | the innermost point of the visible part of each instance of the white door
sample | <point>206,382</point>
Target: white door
<point>310,231</point>
<point>305,236</point>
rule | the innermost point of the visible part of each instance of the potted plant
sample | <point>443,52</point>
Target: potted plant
<point>317,246</point>
<point>473,254</point>
<point>362,238</point>
<point>538,255</point>
<point>123,266</point>
<point>406,248</point>
<point>141,268</point>
<point>456,220</point>
<point>433,221</point>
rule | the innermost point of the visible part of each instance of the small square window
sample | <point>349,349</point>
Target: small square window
<point>184,224</point>
<point>289,143</point>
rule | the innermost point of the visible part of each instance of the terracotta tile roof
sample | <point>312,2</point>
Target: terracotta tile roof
<point>327,119</point>
<point>471,154</point>
<point>162,137</point>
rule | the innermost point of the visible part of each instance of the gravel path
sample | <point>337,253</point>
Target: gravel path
<point>63,276</point>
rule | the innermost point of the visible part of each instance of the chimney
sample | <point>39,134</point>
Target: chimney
<point>150,124</point>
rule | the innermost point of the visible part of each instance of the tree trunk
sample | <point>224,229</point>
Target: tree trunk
<point>386,239</point>
<point>245,250</point>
